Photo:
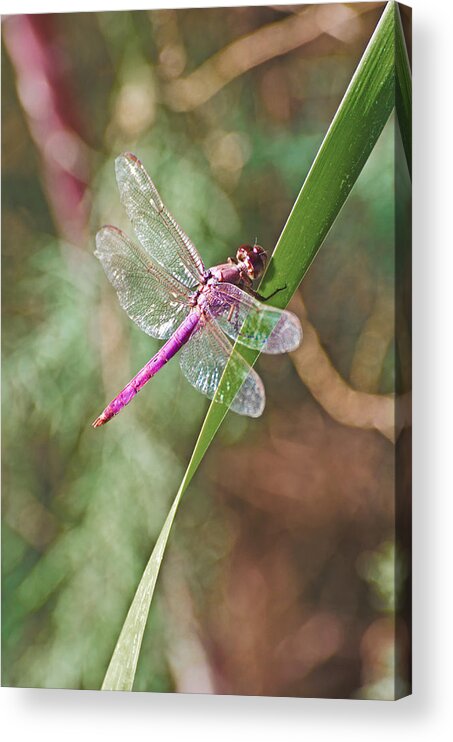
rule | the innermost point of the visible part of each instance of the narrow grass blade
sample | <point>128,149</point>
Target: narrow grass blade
<point>121,671</point>
<point>359,120</point>
<point>403,91</point>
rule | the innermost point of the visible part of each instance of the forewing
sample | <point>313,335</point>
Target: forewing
<point>153,299</point>
<point>251,322</point>
<point>206,357</point>
<point>161,236</point>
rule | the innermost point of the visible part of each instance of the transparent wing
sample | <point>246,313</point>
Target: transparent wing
<point>252,323</point>
<point>203,360</point>
<point>154,300</point>
<point>162,238</point>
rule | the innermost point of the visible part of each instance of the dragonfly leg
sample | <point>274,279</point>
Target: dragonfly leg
<point>260,297</point>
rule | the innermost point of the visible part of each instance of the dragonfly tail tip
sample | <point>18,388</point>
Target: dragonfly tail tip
<point>99,421</point>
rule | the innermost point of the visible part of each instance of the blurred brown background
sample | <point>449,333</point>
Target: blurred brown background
<point>283,571</point>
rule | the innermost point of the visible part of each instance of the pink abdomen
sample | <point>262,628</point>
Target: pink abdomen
<point>168,350</point>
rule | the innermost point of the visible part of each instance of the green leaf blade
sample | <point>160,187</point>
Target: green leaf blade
<point>403,91</point>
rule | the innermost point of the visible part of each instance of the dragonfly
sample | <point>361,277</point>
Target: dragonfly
<point>164,287</point>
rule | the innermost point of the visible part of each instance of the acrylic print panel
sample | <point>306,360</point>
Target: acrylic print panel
<point>287,568</point>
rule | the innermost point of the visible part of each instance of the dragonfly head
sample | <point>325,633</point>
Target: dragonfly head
<point>253,258</point>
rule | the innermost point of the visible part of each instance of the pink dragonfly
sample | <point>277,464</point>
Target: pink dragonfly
<point>164,287</point>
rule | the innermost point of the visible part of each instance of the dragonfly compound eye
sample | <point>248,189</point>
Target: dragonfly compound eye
<point>254,257</point>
